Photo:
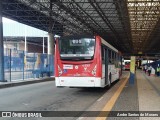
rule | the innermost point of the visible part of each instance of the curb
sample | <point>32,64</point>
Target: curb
<point>25,82</point>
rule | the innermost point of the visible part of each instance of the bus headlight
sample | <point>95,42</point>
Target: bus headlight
<point>59,70</point>
<point>94,70</point>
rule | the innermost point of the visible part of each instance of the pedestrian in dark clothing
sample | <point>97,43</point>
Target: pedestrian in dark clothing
<point>149,70</point>
<point>145,68</point>
<point>158,70</point>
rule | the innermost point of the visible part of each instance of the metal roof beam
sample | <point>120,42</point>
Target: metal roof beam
<point>61,6</point>
<point>62,18</point>
<point>87,15</point>
<point>105,19</point>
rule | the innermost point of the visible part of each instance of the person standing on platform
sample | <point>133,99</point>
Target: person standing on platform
<point>158,70</point>
<point>145,68</point>
<point>149,70</point>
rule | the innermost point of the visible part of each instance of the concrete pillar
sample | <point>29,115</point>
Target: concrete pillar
<point>132,70</point>
<point>50,52</point>
<point>50,34</point>
<point>1,46</point>
<point>25,41</point>
<point>25,45</point>
<point>50,44</point>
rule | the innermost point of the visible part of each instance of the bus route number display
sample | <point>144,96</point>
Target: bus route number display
<point>76,43</point>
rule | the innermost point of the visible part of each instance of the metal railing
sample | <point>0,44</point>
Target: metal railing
<point>20,65</point>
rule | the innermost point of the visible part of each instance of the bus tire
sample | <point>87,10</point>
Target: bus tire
<point>60,86</point>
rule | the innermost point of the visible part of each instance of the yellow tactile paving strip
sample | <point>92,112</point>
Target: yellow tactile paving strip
<point>109,105</point>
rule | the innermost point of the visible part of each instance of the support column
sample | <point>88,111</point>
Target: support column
<point>1,46</point>
<point>25,44</point>
<point>132,70</point>
<point>50,44</point>
<point>50,34</point>
<point>50,52</point>
<point>25,41</point>
<point>50,41</point>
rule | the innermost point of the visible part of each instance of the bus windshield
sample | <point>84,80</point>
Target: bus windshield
<point>77,49</point>
<point>127,63</point>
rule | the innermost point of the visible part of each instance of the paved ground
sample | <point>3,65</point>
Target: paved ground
<point>46,97</point>
<point>142,96</point>
<point>25,82</point>
<point>18,75</point>
<point>127,101</point>
<point>148,94</point>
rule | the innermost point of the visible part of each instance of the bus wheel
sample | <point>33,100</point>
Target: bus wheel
<point>109,82</point>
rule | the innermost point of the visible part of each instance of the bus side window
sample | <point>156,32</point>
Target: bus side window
<point>109,57</point>
<point>103,54</point>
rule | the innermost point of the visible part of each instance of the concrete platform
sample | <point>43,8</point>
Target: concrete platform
<point>24,82</point>
<point>121,97</point>
<point>143,96</point>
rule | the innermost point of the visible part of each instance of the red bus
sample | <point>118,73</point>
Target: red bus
<point>127,65</point>
<point>85,61</point>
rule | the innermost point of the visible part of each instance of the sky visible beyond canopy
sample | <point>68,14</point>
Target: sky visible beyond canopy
<point>13,28</point>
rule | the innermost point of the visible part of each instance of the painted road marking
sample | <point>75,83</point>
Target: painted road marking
<point>80,118</point>
<point>109,105</point>
<point>100,99</point>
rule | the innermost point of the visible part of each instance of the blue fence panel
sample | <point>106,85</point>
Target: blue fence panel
<point>19,65</point>
<point>44,65</point>
<point>13,64</point>
<point>7,64</point>
<point>29,62</point>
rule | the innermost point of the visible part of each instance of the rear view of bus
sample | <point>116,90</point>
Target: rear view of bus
<point>78,62</point>
<point>127,65</point>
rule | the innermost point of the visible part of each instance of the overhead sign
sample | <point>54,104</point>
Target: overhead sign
<point>140,52</point>
<point>76,42</point>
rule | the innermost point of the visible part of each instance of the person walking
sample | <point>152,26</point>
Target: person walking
<point>145,68</point>
<point>149,70</point>
<point>158,70</point>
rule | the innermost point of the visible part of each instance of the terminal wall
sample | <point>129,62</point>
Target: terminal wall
<point>31,47</point>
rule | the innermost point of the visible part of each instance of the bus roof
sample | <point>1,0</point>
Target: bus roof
<point>108,45</point>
